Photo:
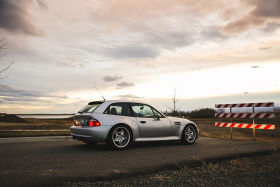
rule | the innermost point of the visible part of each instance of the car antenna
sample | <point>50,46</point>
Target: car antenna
<point>99,93</point>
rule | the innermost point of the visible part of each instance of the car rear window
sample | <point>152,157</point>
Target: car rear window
<point>90,107</point>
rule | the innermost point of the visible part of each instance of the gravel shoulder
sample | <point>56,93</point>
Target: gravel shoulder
<point>258,170</point>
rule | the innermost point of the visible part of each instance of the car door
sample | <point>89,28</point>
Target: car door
<point>150,123</point>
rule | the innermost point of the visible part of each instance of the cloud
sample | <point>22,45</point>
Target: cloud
<point>271,27</point>
<point>69,62</point>
<point>141,40</point>
<point>111,78</point>
<point>41,4</point>
<point>82,65</point>
<point>19,99</point>
<point>128,96</point>
<point>64,64</point>
<point>211,33</point>
<point>168,38</point>
<point>264,12</point>
<point>124,85</point>
<point>15,18</point>
<point>264,48</point>
<point>10,93</point>
<point>132,52</point>
<point>6,90</point>
<point>269,8</point>
<point>149,43</point>
<point>243,24</point>
<point>151,27</point>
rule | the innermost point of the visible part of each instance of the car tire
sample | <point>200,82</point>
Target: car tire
<point>189,134</point>
<point>119,137</point>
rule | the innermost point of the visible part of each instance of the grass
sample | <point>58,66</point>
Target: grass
<point>46,127</point>
<point>6,134</point>
<point>206,126</point>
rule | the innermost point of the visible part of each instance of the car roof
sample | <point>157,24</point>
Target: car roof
<point>116,101</point>
<point>106,103</point>
<point>123,101</point>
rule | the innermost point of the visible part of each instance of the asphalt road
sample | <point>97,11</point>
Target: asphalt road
<point>45,163</point>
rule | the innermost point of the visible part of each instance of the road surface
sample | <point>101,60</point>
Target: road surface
<point>45,163</point>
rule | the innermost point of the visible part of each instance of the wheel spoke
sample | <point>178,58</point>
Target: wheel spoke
<point>122,142</point>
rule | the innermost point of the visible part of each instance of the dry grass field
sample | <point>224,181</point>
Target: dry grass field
<point>52,127</point>
<point>207,128</point>
<point>36,127</point>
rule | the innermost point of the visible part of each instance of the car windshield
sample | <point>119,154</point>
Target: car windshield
<point>89,108</point>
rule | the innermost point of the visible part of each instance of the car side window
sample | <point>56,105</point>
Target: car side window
<point>121,109</point>
<point>157,114</point>
<point>141,110</point>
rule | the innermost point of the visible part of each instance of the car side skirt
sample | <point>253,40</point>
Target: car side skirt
<point>157,139</point>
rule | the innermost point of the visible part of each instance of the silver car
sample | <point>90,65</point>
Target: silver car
<point>120,123</point>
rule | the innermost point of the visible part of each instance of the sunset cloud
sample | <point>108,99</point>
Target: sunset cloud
<point>263,13</point>
<point>111,78</point>
<point>135,49</point>
<point>128,96</point>
<point>14,18</point>
<point>124,85</point>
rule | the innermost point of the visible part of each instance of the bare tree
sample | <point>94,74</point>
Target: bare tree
<point>174,101</point>
<point>3,53</point>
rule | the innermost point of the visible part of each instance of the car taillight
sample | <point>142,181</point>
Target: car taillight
<point>93,123</point>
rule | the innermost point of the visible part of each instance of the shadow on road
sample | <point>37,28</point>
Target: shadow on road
<point>134,146</point>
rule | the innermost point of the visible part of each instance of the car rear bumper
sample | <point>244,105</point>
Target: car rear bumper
<point>96,134</point>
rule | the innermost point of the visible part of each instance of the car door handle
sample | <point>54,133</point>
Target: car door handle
<point>142,121</point>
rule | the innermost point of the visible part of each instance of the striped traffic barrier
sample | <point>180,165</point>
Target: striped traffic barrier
<point>268,104</point>
<point>244,125</point>
<point>245,115</point>
<point>253,115</point>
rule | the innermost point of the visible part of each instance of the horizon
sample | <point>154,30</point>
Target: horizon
<point>209,52</point>
<point>188,105</point>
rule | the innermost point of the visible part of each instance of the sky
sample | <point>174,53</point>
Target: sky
<point>209,51</point>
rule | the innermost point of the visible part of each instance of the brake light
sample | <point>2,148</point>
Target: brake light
<point>93,123</point>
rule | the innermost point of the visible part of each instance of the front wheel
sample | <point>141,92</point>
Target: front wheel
<point>189,135</point>
<point>120,137</point>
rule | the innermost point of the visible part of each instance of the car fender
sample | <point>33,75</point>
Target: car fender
<point>113,120</point>
<point>183,123</point>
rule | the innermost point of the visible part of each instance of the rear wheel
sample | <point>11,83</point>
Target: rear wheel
<point>189,135</point>
<point>119,137</point>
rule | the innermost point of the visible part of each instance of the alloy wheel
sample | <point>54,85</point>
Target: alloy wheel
<point>121,137</point>
<point>190,134</point>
